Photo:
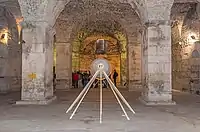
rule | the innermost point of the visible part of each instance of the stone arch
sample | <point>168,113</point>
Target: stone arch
<point>57,6</point>
<point>114,35</point>
<point>80,24</point>
<point>133,40</point>
<point>10,68</point>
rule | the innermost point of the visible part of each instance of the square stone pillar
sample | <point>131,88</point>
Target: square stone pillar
<point>157,80</point>
<point>64,66</point>
<point>134,64</point>
<point>37,65</point>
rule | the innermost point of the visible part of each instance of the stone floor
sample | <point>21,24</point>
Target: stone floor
<point>184,117</point>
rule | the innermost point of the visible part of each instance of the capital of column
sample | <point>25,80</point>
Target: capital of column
<point>63,44</point>
<point>158,32</point>
<point>159,9</point>
<point>155,23</point>
<point>31,25</point>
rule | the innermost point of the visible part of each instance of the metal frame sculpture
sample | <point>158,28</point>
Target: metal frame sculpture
<point>114,89</point>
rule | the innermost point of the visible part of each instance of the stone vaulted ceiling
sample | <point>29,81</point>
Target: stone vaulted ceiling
<point>12,5</point>
<point>99,16</point>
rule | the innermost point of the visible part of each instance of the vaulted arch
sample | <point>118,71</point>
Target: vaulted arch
<point>57,6</point>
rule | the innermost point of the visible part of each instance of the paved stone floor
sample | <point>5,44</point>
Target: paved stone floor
<point>184,117</point>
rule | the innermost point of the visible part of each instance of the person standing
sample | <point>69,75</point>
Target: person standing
<point>54,78</point>
<point>115,75</point>
<point>76,78</point>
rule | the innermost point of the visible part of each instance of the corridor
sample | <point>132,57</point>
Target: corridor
<point>52,118</point>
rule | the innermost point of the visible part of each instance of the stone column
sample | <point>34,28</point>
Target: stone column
<point>49,59</point>
<point>64,66</point>
<point>157,81</point>
<point>37,80</point>
<point>134,64</point>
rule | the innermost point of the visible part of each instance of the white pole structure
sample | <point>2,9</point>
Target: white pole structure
<point>81,96</point>
<point>87,89</point>
<point>119,94</point>
<point>118,100</point>
<point>101,92</point>
<point>83,91</point>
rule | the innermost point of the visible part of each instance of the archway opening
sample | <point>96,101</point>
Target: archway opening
<point>84,49</point>
<point>117,23</point>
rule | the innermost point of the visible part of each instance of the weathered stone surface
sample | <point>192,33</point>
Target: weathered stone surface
<point>64,64</point>
<point>10,52</point>
<point>185,50</point>
<point>149,55</point>
<point>33,10</point>
<point>157,76</point>
<point>37,65</point>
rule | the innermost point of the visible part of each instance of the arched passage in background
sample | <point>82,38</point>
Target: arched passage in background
<point>10,52</point>
<point>117,21</point>
<point>156,36</point>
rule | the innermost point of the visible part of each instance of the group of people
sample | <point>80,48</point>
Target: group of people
<point>80,79</point>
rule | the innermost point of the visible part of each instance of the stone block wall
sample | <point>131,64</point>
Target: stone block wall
<point>10,55</point>
<point>63,54</point>
<point>185,58</point>
<point>134,59</point>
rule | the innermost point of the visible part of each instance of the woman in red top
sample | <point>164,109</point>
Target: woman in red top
<point>75,78</point>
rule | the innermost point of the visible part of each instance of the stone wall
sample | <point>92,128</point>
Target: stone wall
<point>134,60</point>
<point>10,55</point>
<point>63,55</point>
<point>185,47</point>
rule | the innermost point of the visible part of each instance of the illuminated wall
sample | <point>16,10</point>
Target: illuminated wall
<point>83,53</point>
<point>185,53</point>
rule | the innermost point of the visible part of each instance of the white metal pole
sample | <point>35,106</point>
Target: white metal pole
<point>117,99</point>
<point>83,91</point>
<point>101,96</point>
<point>90,83</point>
<point>120,95</point>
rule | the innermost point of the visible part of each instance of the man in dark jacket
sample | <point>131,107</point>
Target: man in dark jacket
<point>115,75</point>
